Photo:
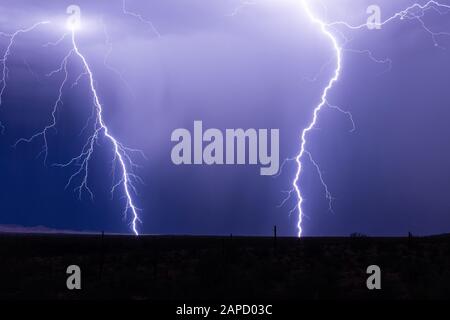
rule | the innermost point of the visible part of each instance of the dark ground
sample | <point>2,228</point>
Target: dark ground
<point>214,268</point>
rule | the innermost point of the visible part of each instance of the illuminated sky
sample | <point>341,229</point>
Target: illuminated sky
<point>249,70</point>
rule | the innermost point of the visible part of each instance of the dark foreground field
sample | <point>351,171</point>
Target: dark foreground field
<point>214,268</point>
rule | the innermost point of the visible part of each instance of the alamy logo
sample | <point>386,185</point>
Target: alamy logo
<point>73,282</point>
<point>212,148</point>
<point>74,19</point>
<point>374,20</point>
<point>374,280</point>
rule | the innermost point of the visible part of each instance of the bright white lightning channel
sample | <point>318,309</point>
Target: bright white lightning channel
<point>338,51</point>
<point>119,150</point>
<point>82,161</point>
<point>413,12</point>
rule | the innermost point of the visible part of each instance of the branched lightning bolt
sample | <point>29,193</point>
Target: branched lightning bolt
<point>4,59</point>
<point>347,113</point>
<point>371,56</point>
<point>338,51</point>
<point>140,17</point>
<point>415,11</point>
<point>122,156</point>
<point>58,102</point>
<point>120,152</point>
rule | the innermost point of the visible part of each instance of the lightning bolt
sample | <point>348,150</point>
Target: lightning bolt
<point>122,156</point>
<point>140,17</point>
<point>4,60</point>
<point>338,52</point>
<point>120,152</point>
<point>413,12</point>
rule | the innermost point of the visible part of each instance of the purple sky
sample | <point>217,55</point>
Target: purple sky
<point>247,70</point>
